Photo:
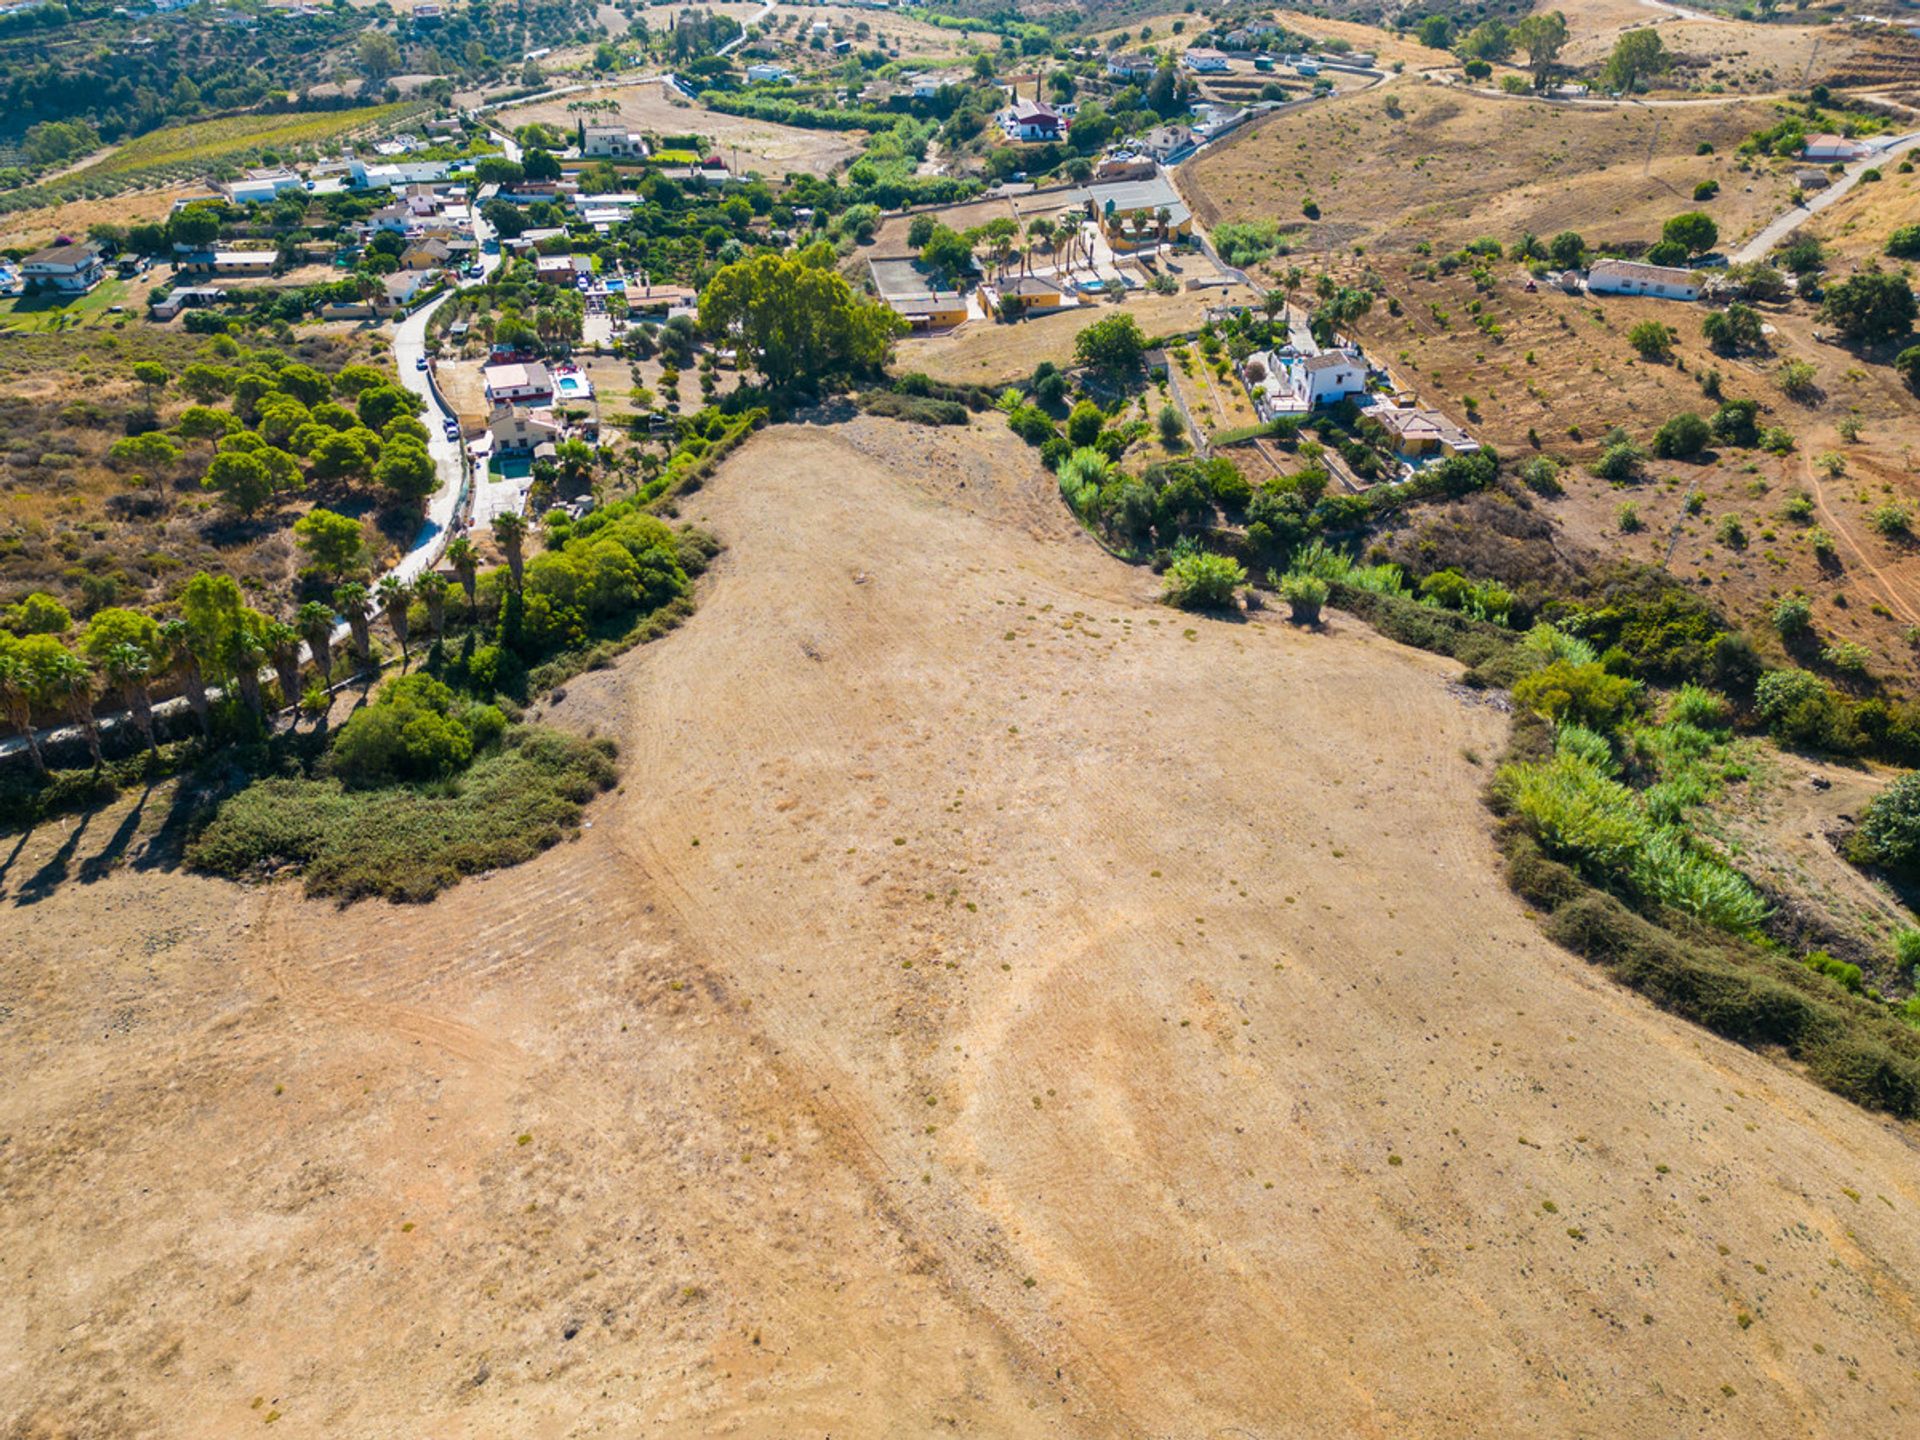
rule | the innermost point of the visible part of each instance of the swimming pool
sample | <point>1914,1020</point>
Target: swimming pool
<point>572,387</point>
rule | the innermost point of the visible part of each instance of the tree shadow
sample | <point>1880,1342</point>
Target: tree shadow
<point>48,878</point>
<point>19,844</point>
<point>97,866</point>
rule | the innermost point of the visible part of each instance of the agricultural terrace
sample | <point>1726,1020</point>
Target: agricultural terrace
<point>180,152</point>
<point>1414,163</point>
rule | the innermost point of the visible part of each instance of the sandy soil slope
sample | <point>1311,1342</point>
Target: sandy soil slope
<point>993,1004</point>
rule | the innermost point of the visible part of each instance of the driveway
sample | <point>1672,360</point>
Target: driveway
<point>1762,244</point>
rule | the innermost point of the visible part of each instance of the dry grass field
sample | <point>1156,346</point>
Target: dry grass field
<point>1453,165</point>
<point>760,145</point>
<point>987,353</point>
<point>1733,55</point>
<point>994,1004</point>
<point>1856,227</point>
<point>31,229</point>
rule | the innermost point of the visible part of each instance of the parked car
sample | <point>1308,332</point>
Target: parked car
<point>419,362</point>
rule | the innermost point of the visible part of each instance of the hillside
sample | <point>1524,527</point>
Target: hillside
<point>1414,162</point>
<point>977,1019</point>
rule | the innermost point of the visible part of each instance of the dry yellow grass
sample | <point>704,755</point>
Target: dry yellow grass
<point>1453,165</point>
<point>1855,228</point>
<point>986,353</point>
<point>34,228</point>
<point>993,1005</point>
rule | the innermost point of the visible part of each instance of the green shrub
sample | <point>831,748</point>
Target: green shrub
<point>1586,693</point>
<point>1304,594</point>
<point>1620,461</point>
<point>1846,976</point>
<point>1698,707</point>
<point>1682,437</point>
<point>1802,709</point>
<point>414,730</point>
<point>1653,339</point>
<point>1892,520</point>
<point>915,409</point>
<point>1081,474</point>
<point>408,842</point>
<point>1889,830</point>
<point>1541,474</point>
<point>1199,580</point>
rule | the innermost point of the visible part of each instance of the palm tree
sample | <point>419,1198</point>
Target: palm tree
<point>314,621</point>
<point>431,587</point>
<point>353,603</point>
<point>181,656</point>
<point>510,530</point>
<point>395,595</point>
<point>1273,302</point>
<point>246,652</point>
<point>68,678</point>
<point>283,643</point>
<point>16,693</point>
<point>128,668</point>
<point>466,564</point>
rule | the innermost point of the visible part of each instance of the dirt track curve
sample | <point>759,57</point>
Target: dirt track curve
<point>993,1004</point>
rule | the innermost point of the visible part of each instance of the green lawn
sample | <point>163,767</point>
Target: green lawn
<point>61,312</point>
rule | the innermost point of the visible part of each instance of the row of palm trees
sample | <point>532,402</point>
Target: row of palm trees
<point>55,677</point>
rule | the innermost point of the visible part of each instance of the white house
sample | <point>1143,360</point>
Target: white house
<point>1633,277</point>
<point>68,269</point>
<point>506,384</point>
<point>517,431</point>
<point>926,86</point>
<point>1203,61</point>
<point>1032,120</point>
<point>1132,67</point>
<point>608,142</point>
<point>1286,382</point>
<point>403,173</point>
<point>1831,149</point>
<point>1331,376</point>
<point>262,187</point>
<point>768,73</point>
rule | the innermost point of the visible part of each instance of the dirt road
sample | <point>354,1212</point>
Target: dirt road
<point>992,1004</point>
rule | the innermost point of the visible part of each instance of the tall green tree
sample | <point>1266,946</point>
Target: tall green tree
<point>314,621</point>
<point>510,530</point>
<point>465,561</point>
<point>792,319</point>
<point>176,638</point>
<point>17,685</point>
<point>394,596</point>
<point>65,679</point>
<point>129,669</point>
<point>1637,55</point>
<point>1543,36</point>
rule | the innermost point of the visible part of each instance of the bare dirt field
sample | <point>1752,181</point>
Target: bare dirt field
<point>993,1004</point>
<point>775,150</point>
<point>1453,165</point>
